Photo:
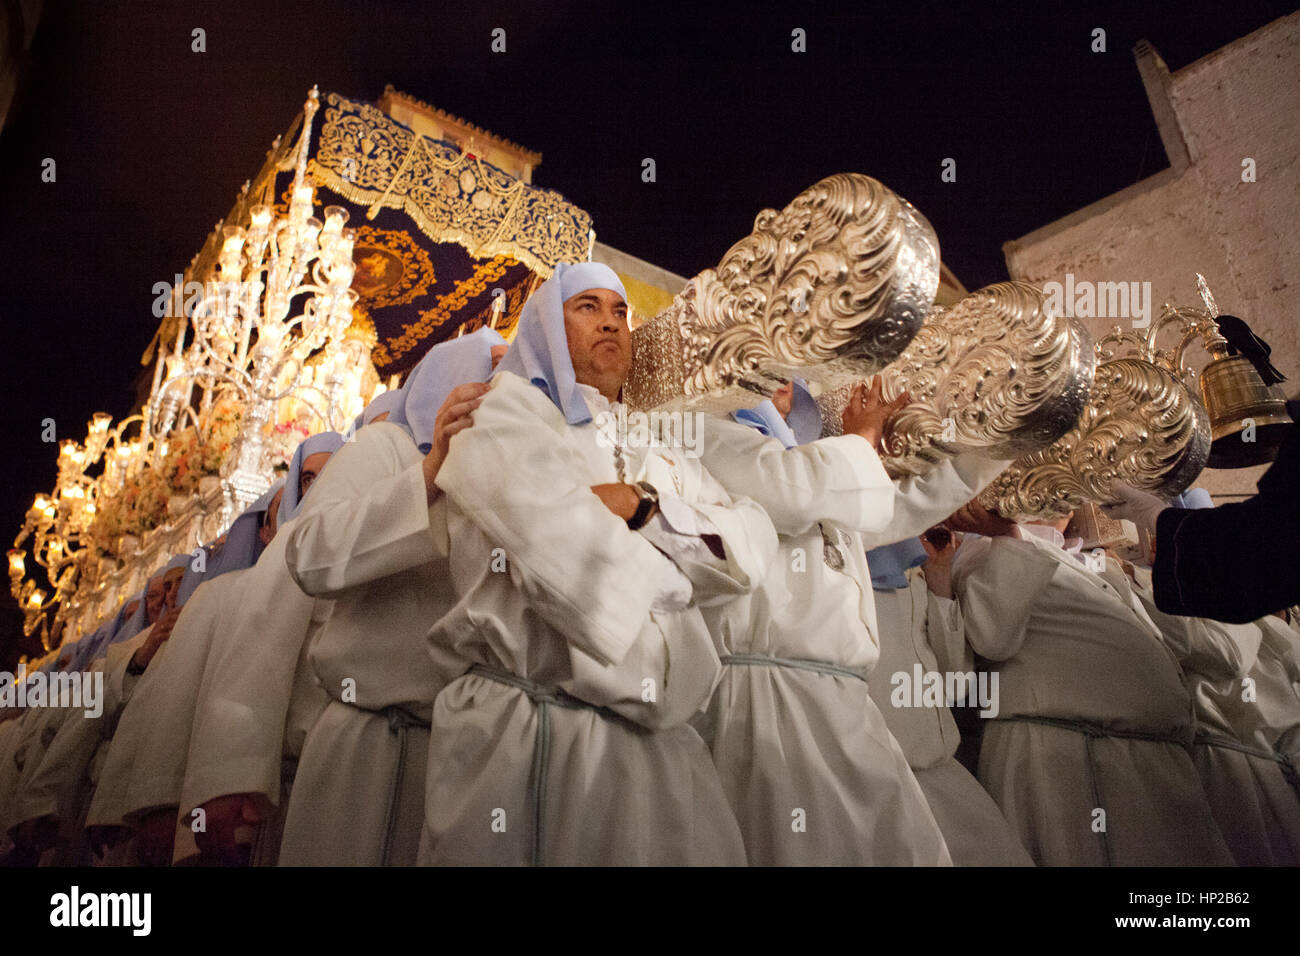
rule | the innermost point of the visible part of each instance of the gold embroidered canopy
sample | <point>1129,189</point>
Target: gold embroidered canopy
<point>442,234</point>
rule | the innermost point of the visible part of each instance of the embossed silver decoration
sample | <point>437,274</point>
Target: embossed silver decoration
<point>830,288</point>
<point>1141,426</point>
<point>997,374</point>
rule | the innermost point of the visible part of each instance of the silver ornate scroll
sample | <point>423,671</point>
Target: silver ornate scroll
<point>830,288</point>
<point>1142,426</point>
<point>997,373</point>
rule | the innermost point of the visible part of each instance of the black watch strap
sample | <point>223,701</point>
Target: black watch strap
<point>649,500</point>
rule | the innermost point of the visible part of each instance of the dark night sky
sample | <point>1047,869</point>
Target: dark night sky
<point>152,141</point>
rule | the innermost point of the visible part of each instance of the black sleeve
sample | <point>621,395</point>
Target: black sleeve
<point>1237,562</point>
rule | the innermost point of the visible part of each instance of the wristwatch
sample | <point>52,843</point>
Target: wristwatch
<point>134,669</point>
<point>648,501</point>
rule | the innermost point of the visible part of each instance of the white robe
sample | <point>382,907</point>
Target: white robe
<point>10,734</point>
<point>523,767</point>
<point>368,539</point>
<point>256,696</point>
<point>35,732</point>
<point>13,733</point>
<point>812,772</point>
<point>1073,646</point>
<point>1254,804</point>
<point>144,768</point>
<point>1277,683</point>
<point>918,627</point>
<point>63,783</point>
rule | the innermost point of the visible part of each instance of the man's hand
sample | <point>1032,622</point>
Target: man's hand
<point>222,816</point>
<point>456,414</point>
<point>1140,507</point>
<point>156,639</point>
<point>867,412</point>
<point>974,518</point>
<point>938,566</point>
<point>619,498</point>
<point>155,838</point>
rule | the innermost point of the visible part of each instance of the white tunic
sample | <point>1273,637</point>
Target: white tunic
<point>556,599</point>
<point>368,539</point>
<point>257,691</point>
<point>811,770</point>
<point>1255,806</point>
<point>919,628</point>
<point>1097,769</point>
<point>63,782</point>
<point>1277,683</point>
<point>35,732</point>
<point>145,765</point>
<point>14,736</point>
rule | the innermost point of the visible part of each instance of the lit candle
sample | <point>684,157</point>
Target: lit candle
<point>261,218</point>
<point>336,218</point>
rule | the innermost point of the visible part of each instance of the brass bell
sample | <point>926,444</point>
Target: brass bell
<point>1248,419</point>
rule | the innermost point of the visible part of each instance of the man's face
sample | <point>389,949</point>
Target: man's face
<point>600,343</point>
<point>272,523</point>
<point>311,467</point>
<point>172,585</point>
<point>154,598</point>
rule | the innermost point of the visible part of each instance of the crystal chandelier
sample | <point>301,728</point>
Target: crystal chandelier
<point>57,524</point>
<point>270,335</point>
<point>245,343</point>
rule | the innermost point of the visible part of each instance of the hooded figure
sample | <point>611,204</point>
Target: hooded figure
<point>136,622</point>
<point>322,443</point>
<point>144,769</point>
<point>381,404</point>
<point>88,648</point>
<point>794,734</point>
<point>1249,781</point>
<point>1088,691</point>
<point>559,707</point>
<point>54,782</point>
<point>805,419</point>
<point>241,549</point>
<point>446,365</point>
<point>339,705</point>
<point>921,633</point>
<point>540,351</point>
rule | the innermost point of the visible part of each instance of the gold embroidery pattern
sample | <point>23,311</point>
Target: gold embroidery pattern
<point>380,252</point>
<point>372,160</point>
<point>509,320</point>
<point>386,353</point>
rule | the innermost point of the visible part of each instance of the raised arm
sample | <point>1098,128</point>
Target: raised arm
<point>838,479</point>
<point>368,516</point>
